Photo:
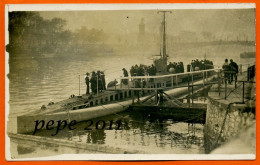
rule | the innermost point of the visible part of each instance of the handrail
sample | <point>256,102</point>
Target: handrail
<point>168,75</point>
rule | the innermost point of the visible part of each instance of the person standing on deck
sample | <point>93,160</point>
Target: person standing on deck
<point>100,86</point>
<point>93,82</point>
<point>87,83</point>
<point>125,81</point>
<point>234,69</point>
<point>103,80</point>
<point>226,69</point>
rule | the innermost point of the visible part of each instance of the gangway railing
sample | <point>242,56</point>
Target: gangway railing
<point>161,82</point>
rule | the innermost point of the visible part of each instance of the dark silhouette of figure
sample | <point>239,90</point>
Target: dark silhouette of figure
<point>93,81</point>
<point>87,83</point>
<point>103,80</point>
<point>125,81</point>
<point>112,83</point>
<point>234,70</point>
<point>100,85</point>
<point>226,69</point>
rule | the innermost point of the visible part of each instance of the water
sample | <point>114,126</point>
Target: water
<point>35,83</point>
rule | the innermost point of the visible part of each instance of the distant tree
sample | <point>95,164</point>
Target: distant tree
<point>30,34</point>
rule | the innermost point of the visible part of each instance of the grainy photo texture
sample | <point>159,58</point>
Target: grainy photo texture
<point>179,81</point>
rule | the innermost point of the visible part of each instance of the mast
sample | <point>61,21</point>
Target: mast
<point>164,56</point>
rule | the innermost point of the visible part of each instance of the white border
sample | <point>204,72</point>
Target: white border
<point>82,7</point>
<point>144,157</point>
<point>165,6</point>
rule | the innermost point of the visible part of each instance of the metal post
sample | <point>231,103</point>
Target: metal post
<point>189,89</point>
<point>79,85</point>
<point>172,81</point>
<point>97,85</point>
<point>155,82</point>
<point>133,96</point>
<point>219,82</point>
<point>203,77</point>
<point>156,97</point>
<point>192,88</point>
<point>142,84</point>
<point>121,82</point>
<point>176,80</point>
<point>243,95</point>
<point>206,76</point>
<point>225,90</point>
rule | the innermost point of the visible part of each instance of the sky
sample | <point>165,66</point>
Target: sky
<point>216,21</point>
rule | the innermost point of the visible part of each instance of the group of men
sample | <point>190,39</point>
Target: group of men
<point>178,67</point>
<point>230,71</point>
<point>96,82</point>
<point>202,64</point>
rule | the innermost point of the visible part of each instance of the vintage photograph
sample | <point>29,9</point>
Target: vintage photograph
<point>173,81</point>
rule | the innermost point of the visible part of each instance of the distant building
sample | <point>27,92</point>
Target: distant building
<point>141,34</point>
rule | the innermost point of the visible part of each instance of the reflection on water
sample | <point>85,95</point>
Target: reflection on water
<point>139,132</point>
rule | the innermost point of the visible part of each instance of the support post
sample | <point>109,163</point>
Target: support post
<point>206,76</point>
<point>243,94</point>
<point>121,82</point>
<point>79,85</point>
<point>142,84</point>
<point>203,77</point>
<point>133,96</point>
<point>97,85</point>
<point>176,80</point>
<point>225,90</point>
<point>189,89</point>
<point>156,96</point>
<point>192,88</point>
<point>172,81</point>
<point>219,82</point>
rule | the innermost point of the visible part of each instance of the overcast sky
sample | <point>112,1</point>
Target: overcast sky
<point>216,21</point>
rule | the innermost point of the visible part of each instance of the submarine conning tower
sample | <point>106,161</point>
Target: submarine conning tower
<point>161,63</point>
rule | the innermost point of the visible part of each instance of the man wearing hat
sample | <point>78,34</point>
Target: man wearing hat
<point>87,83</point>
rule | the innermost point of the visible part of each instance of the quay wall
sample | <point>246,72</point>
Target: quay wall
<point>224,122</point>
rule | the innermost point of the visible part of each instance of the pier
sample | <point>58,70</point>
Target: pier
<point>231,116</point>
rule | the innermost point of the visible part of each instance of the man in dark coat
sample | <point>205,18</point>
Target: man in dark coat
<point>103,80</point>
<point>234,70</point>
<point>93,82</point>
<point>87,83</point>
<point>100,86</point>
<point>226,70</point>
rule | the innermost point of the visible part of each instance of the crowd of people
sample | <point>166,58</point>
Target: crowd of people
<point>96,82</point>
<point>201,65</point>
<point>230,71</point>
<point>143,70</point>
<point>177,67</point>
